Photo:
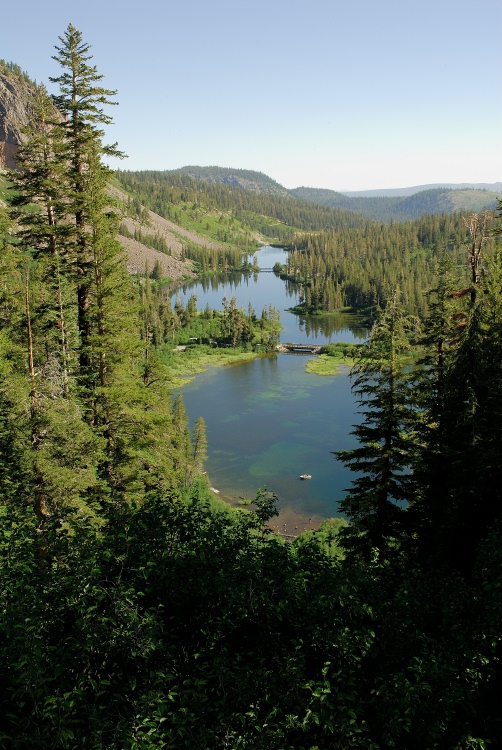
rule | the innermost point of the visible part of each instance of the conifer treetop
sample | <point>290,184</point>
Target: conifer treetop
<point>78,91</point>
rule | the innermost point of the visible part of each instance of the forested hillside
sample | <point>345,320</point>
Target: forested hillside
<point>136,612</point>
<point>379,208</point>
<point>361,268</point>
<point>340,257</point>
<point>231,214</point>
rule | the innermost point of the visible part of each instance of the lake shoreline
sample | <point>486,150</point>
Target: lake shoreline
<point>288,524</point>
<point>195,365</point>
<point>269,418</point>
<point>327,366</point>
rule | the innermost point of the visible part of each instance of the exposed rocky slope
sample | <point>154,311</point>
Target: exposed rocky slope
<point>255,182</point>
<point>16,97</point>
<point>140,255</point>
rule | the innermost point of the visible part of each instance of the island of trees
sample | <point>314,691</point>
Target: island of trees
<point>136,611</point>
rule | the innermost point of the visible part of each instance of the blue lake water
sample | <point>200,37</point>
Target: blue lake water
<point>268,421</point>
<point>263,289</point>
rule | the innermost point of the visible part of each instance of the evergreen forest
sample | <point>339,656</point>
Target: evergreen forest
<point>361,268</point>
<point>338,258</point>
<point>137,611</point>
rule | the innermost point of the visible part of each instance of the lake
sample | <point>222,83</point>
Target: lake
<point>268,421</point>
<point>263,289</point>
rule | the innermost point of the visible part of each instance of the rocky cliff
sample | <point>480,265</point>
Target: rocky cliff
<point>16,98</point>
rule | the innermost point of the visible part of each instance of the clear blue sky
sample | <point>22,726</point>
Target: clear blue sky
<point>340,94</point>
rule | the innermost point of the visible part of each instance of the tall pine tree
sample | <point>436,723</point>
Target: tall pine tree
<point>80,101</point>
<point>383,386</point>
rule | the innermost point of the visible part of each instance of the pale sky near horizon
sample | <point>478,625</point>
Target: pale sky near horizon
<point>338,94</point>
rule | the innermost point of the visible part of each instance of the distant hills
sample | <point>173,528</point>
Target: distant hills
<point>400,208</point>
<point>398,204</point>
<point>495,187</point>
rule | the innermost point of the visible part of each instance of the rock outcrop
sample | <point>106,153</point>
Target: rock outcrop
<point>16,100</point>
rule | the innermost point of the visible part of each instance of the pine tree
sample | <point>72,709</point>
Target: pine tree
<point>471,457</point>
<point>12,484</point>
<point>57,452</point>
<point>80,101</point>
<point>199,442</point>
<point>182,449</point>
<point>477,224</point>
<point>440,331</point>
<point>40,209</point>
<point>78,323</point>
<point>386,435</point>
<point>459,392</point>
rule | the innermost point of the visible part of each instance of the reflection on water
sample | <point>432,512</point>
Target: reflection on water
<point>262,289</point>
<point>328,327</point>
<point>268,421</point>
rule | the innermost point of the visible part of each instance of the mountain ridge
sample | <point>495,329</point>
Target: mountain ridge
<point>410,203</point>
<point>495,187</point>
<point>247,179</point>
<point>261,182</point>
<point>16,96</point>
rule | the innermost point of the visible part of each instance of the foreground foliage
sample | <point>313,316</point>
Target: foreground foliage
<point>183,626</point>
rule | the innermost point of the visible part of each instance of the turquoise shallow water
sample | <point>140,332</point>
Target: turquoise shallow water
<point>268,421</point>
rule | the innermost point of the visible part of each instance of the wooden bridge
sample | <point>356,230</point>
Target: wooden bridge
<point>300,348</point>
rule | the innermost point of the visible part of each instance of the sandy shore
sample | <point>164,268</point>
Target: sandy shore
<point>288,524</point>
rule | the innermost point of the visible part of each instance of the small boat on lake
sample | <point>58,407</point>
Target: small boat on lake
<point>305,476</point>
